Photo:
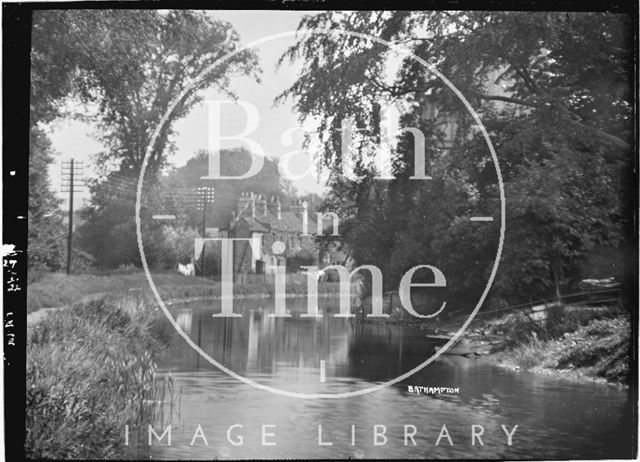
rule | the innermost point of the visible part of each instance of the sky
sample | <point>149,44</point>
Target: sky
<point>75,139</point>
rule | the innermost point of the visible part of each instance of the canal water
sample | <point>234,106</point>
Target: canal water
<point>555,418</point>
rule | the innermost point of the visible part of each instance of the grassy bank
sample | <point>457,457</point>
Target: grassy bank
<point>596,346</point>
<point>59,289</point>
<point>90,371</point>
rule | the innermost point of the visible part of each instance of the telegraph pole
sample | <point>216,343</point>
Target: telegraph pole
<point>204,214</point>
<point>205,197</point>
<point>71,174</point>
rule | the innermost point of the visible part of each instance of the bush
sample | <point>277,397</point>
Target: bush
<point>175,245</point>
<point>523,330</point>
<point>81,262</point>
<point>300,258</point>
<point>128,268</point>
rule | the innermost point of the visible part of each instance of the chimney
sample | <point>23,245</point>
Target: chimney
<point>305,218</point>
<point>274,207</point>
<point>243,200</point>
<point>261,206</point>
<point>296,207</point>
<point>252,205</point>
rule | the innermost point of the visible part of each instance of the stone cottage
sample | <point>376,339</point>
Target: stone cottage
<point>284,237</point>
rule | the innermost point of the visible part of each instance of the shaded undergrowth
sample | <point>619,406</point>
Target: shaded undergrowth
<point>589,343</point>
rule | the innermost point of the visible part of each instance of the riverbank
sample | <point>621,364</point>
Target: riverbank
<point>598,351</point>
<point>57,290</point>
<point>90,371</point>
<point>573,342</point>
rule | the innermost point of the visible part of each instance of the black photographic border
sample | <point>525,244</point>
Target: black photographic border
<point>16,33</point>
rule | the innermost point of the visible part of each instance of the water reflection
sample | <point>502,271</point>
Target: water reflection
<point>257,344</point>
<point>555,419</point>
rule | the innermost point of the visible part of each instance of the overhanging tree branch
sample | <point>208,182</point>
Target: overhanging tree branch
<point>599,133</point>
<point>506,99</point>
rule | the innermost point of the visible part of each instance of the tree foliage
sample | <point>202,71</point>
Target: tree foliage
<point>45,230</point>
<point>233,162</point>
<point>554,92</point>
<point>51,74</point>
<point>132,64</point>
<point>109,232</point>
<point>129,65</point>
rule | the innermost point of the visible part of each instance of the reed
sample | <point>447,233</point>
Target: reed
<point>91,370</point>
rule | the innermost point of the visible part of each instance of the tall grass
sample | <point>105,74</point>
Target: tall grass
<point>166,402</point>
<point>91,371</point>
<point>58,289</point>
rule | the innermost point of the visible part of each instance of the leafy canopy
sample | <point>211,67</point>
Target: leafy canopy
<point>554,92</point>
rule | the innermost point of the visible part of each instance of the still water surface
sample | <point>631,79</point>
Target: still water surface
<point>556,419</point>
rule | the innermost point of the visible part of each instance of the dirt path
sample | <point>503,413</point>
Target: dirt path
<point>35,317</point>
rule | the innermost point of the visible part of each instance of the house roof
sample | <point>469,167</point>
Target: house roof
<point>289,222</point>
<point>255,225</point>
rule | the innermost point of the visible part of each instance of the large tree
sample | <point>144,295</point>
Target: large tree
<point>131,64</point>
<point>554,91</point>
<point>128,66</point>
<point>51,75</point>
<point>45,230</point>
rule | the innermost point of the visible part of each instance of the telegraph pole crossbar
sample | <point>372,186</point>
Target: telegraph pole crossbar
<point>205,197</point>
